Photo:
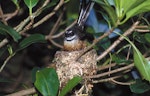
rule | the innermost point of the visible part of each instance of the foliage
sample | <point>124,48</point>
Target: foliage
<point>28,42</point>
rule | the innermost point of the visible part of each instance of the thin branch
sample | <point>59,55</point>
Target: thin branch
<point>23,92</point>
<point>5,62</point>
<point>2,16</point>
<point>55,27</point>
<point>106,66</point>
<point>24,23</point>
<point>142,30</point>
<point>112,71</point>
<point>11,15</point>
<point>3,42</point>
<point>56,44</point>
<point>95,42</point>
<point>49,37</point>
<point>128,32</point>
<point>61,33</point>
<point>122,83</point>
<point>49,15</point>
<point>106,80</point>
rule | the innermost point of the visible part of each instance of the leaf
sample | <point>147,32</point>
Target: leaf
<point>139,87</point>
<point>34,70</point>
<point>15,1</point>
<point>110,11</point>
<point>31,3</point>
<point>147,37</point>
<point>141,7</point>
<point>30,40</point>
<point>70,85</point>
<point>7,29</point>
<point>47,82</point>
<point>142,64</point>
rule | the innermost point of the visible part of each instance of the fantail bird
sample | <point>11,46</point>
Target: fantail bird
<point>75,36</point>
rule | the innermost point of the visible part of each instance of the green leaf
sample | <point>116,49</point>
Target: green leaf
<point>15,1</point>
<point>139,7</point>
<point>30,40</point>
<point>31,4</point>
<point>110,11</point>
<point>7,29</point>
<point>142,64</point>
<point>147,37</point>
<point>139,87</point>
<point>70,85</point>
<point>47,82</point>
<point>34,70</point>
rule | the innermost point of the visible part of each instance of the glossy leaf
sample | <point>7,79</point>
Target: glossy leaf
<point>31,4</point>
<point>35,38</point>
<point>142,64</point>
<point>15,1</point>
<point>126,9</point>
<point>7,29</point>
<point>47,82</point>
<point>34,70</point>
<point>147,37</point>
<point>110,11</point>
<point>70,85</point>
<point>139,87</point>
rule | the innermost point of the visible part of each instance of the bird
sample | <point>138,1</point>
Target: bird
<point>74,38</point>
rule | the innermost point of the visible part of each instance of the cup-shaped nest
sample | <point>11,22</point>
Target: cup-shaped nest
<point>67,65</point>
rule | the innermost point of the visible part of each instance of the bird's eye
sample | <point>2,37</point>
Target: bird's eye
<point>69,34</point>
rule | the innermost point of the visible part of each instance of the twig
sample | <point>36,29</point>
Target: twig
<point>3,42</point>
<point>23,92</point>
<point>49,37</point>
<point>56,44</point>
<point>128,32</point>
<point>5,62</point>
<point>2,16</point>
<point>105,67</point>
<point>61,33</point>
<point>122,83</point>
<point>142,30</point>
<point>24,23</point>
<point>11,15</point>
<point>49,15</point>
<point>95,42</point>
<point>106,80</point>
<point>112,71</point>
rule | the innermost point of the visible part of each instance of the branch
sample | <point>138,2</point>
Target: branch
<point>112,71</point>
<point>49,15</point>
<point>122,83</point>
<point>95,42</point>
<point>128,32</point>
<point>23,92</point>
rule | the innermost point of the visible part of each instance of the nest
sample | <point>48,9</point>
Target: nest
<point>67,66</point>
